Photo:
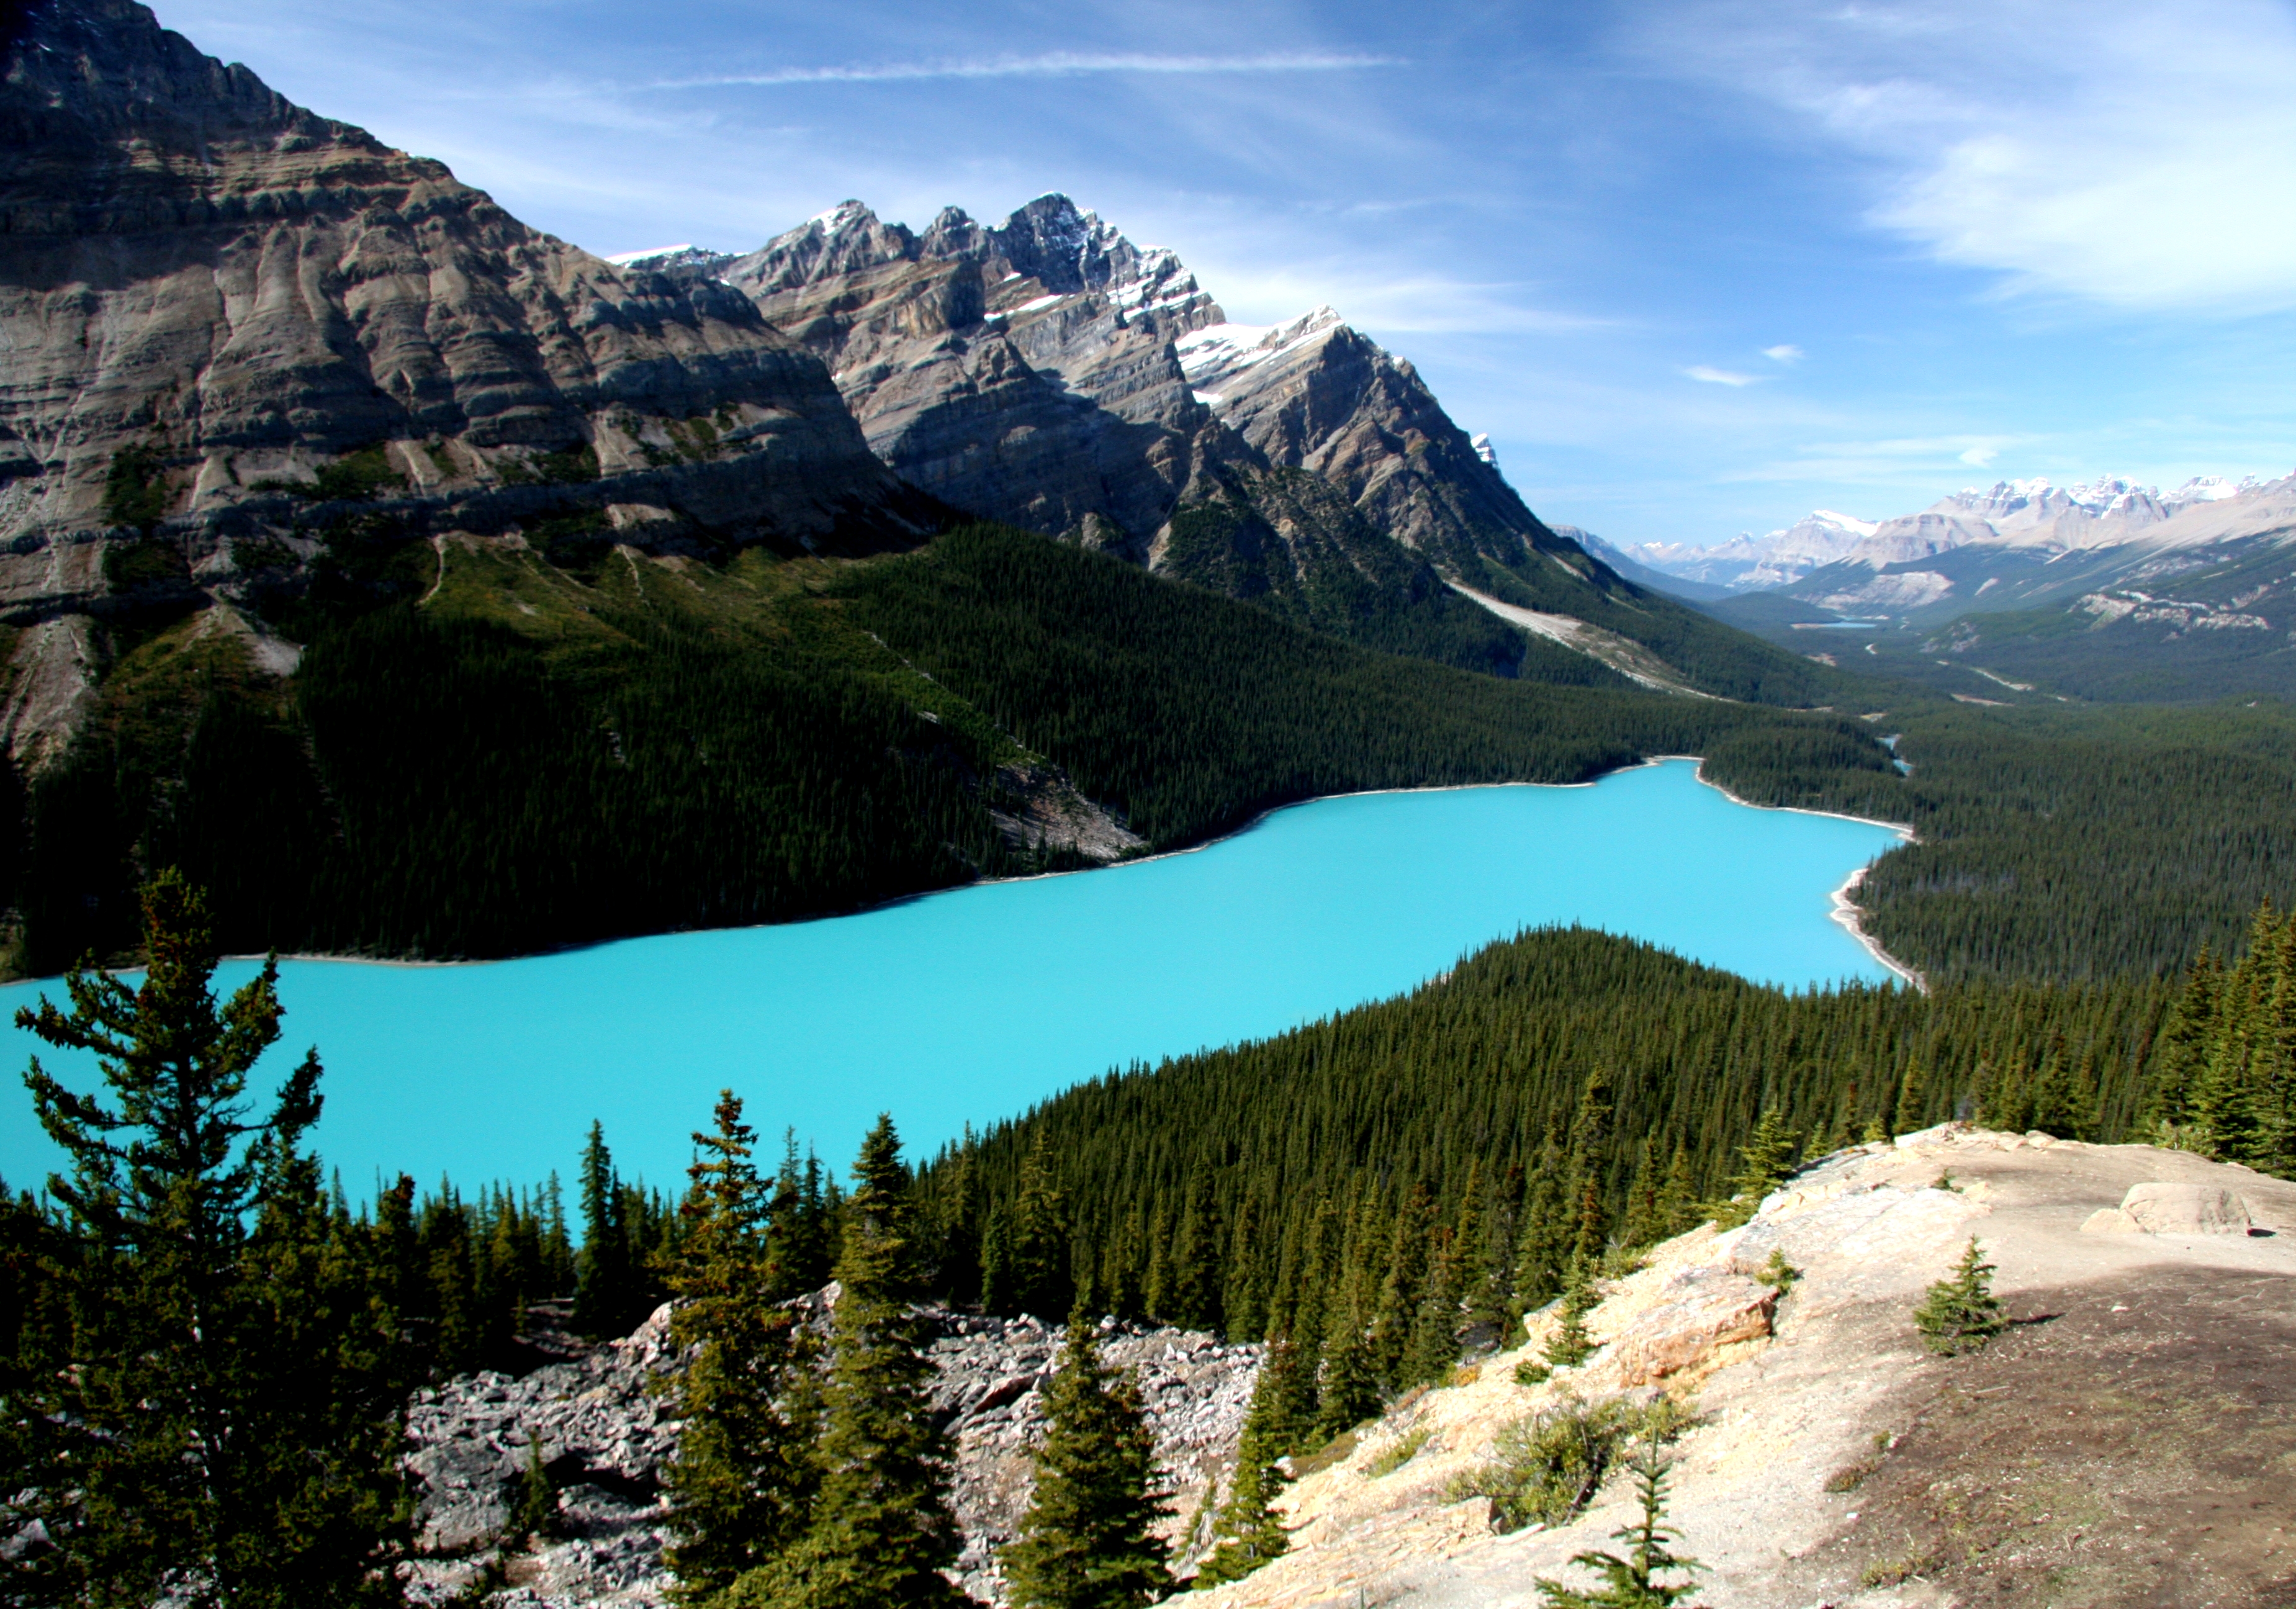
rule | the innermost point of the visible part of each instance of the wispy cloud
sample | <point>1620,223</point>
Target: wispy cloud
<point>1784,354</point>
<point>1051,64</point>
<point>1719,376</point>
<point>2117,152</point>
<point>1895,459</point>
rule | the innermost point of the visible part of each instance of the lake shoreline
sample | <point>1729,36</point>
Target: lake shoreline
<point>1841,896</point>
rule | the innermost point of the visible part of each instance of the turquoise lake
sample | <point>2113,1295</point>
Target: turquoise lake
<point>969,1005</point>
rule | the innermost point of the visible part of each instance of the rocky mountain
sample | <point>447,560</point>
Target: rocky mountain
<point>1048,372</point>
<point>2089,531</point>
<point>226,316</point>
<point>2116,1447</point>
<point>2108,590</point>
<point>1748,563</point>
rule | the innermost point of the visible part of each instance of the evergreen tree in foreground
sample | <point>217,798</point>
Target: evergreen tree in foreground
<point>881,1533</point>
<point>1570,1345</point>
<point>1763,1163</point>
<point>1248,1532</point>
<point>1086,1542</point>
<point>222,1424</point>
<point>1631,1583</point>
<point>603,1271</point>
<point>1959,1314</point>
<point>742,1484</point>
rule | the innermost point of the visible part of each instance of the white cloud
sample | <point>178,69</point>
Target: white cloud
<point>1784,354</point>
<point>1055,64</point>
<point>1890,460</point>
<point>1384,298</point>
<point>2119,151</point>
<point>1719,376</point>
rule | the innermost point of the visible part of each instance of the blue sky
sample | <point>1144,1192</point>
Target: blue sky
<point>1697,266</point>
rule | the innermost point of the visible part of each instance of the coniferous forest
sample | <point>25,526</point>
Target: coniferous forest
<point>552,752</point>
<point>485,752</point>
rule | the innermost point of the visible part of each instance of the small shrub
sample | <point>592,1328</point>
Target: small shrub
<point>1959,1314</point>
<point>1464,1374</point>
<point>135,488</point>
<point>1778,1273</point>
<point>1944,1181</point>
<point>355,477</point>
<point>1547,1466</point>
<point>1850,1477</point>
<point>1531,1372</point>
<point>1895,1573</point>
<point>1395,1457</point>
<point>144,562</point>
<point>574,463</point>
<point>260,552</point>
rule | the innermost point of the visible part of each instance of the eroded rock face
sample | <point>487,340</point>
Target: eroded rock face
<point>1049,372</point>
<point>1023,372</point>
<point>604,1433</point>
<point>239,292</point>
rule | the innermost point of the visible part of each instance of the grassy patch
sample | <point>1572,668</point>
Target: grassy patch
<point>1395,1456</point>
<point>135,488</point>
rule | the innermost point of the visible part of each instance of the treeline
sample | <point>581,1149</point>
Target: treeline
<point>2226,1084</point>
<point>1190,714</point>
<point>500,770</point>
<point>1396,1176</point>
<point>2074,845</point>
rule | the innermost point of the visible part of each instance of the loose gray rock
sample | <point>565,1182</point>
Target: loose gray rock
<point>606,1429</point>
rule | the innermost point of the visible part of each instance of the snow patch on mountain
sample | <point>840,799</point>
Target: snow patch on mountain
<point>2034,514</point>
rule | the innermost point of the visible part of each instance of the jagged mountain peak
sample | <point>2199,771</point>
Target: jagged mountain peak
<point>1065,248</point>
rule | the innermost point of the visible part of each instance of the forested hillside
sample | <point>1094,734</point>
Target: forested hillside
<point>492,746</point>
<point>1450,1152</point>
<point>2073,844</point>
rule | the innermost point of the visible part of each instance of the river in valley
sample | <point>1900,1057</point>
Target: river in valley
<point>969,1005</point>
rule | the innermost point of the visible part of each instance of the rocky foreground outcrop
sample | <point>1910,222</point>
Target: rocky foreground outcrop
<point>2125,1442</point>
<point>604,1431</point>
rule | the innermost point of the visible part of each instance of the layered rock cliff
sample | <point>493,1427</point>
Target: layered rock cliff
<point>228,319</point>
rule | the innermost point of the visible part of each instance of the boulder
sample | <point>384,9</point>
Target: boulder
<point>1699,1311</point>
<point>2160,1207</point>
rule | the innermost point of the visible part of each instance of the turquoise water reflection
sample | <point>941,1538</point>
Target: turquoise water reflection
<point>968,1005</point>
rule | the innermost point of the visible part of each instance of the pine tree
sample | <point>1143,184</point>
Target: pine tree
<point>1913,1099</point>
<point>1632,1582</point>
<point>1570,1344</point>
<point>1646,1224</point>
<point>882,1534</point>
<point>602,1288</point>
<point>1348,1393</point>
<point>1036,1248</point>
<point>222,1423</point>
<point>742,1484</point>
<point>1543,1243</point>
<point>1763,1163</point>
<point>536,1514</point>
<point>1248,1533</point>
<point>1087,1540</point>
<point>1677,1200</point>
<point>1960,1314</point>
